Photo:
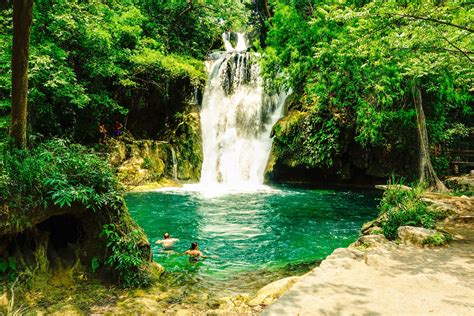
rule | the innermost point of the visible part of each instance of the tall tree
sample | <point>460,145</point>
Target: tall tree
<point>22,17</point>
<point>427,174</point>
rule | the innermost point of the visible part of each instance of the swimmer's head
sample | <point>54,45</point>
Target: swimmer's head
<point>166,235</point>
<point>194,245</point>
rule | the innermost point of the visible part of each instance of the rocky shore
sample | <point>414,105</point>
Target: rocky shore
<point>408,277</point>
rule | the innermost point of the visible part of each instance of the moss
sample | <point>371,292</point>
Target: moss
<point>438,239</point>
<point>186,140</point>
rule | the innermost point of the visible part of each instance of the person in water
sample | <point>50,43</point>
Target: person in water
<point>194,252</point>
<point>167,242</point>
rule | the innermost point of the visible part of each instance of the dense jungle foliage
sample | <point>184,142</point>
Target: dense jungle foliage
<point>56,173</point>
<point>97,61</point>
<point>353,66</point>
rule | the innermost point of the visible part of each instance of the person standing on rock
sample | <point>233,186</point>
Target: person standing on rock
<point>167,242</point>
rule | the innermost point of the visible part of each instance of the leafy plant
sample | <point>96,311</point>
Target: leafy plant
<point>8,268</point>
<point>403,206</point>
<point>57,173</point>
<point>125,258</point>
<point>95,264</point>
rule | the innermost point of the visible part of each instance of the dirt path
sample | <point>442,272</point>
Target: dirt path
<point>389,279</point>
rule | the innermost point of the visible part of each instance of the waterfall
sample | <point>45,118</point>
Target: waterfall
<point>175,163</point>
<point>236,118</point>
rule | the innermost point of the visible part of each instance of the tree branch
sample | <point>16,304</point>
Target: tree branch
<point>436,21</point>
<point>457,48</point>
<point>192,7</point>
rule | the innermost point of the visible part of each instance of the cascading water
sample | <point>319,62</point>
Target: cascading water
<point>236,118</point>
<point>175,163</point>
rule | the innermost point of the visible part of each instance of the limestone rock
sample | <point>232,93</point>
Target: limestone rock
<point>414,235</point>
<point>371,241</point>
<point>393,186</point>
<point>269,293</point>
<point>464,183</point>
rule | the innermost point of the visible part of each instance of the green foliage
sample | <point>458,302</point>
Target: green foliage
<point>402,206</point>
<point>56,173</point>
<point>125,258</point>
<point>438,239</point>
<point>95,264</point>
<point>354,63</point>
<point>97,61</point>
<point>8,269</point>
<point>313,139</point>
<point>146,163</point>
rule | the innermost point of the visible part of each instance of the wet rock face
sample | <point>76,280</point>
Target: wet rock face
<point>141,162</point>
<point>321,156</point>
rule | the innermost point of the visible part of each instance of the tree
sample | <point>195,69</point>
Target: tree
<point>352,64</point>
<point>427,175</point>
<point>22,17</point>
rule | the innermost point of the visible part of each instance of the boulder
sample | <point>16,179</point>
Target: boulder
<point>400,187</point>
<point>371,241</point>
<point>463,184</point>
<point>269,293</point>
<point>414,235</point>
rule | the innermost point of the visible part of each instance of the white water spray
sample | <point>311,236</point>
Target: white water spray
<point>236,118</point>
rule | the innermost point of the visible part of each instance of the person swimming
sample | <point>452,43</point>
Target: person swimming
<point>167,242</point>
<point>194,253</point>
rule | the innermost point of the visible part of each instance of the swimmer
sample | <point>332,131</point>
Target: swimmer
<point>194,252</point>
<point>167,242</point>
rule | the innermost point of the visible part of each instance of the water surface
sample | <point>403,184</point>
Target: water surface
<point>251,238</point>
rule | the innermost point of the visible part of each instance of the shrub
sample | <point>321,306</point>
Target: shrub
<point>125,258</point>
<point>56,173</point>
<point>402,206</point>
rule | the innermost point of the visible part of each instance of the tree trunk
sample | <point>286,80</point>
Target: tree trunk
<point>267,9</point>
<point>22,16</point>
<point>427,174</point>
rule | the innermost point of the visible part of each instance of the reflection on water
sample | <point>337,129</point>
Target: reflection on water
<point>250,239</point>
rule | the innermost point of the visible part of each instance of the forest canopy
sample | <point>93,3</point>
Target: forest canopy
<point>91,61</point>
<point>353,66</point>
